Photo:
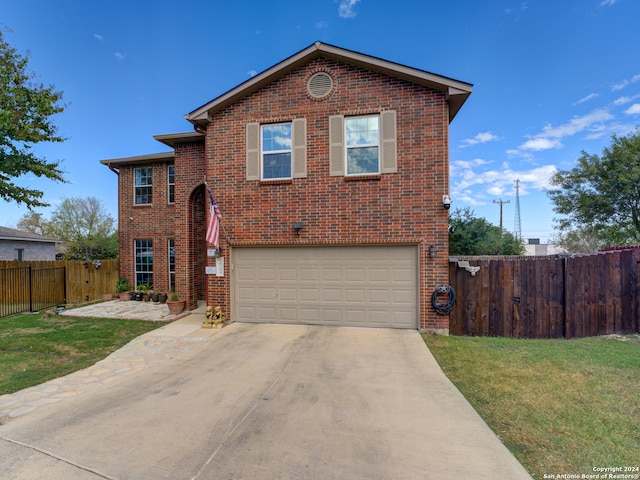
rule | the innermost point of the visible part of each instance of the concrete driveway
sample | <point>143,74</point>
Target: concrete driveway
<point>267,402</point>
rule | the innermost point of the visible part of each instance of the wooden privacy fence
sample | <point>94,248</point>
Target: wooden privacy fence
<point>34,285</point>
<point>547,297</point>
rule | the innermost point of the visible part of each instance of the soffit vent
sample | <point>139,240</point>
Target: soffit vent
<point>320,85</point>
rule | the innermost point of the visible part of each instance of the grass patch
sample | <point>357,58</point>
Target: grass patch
<point>35,348</point>
<point>561,406</point>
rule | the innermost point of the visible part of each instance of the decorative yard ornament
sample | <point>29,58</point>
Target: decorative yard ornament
<point>215,318</point>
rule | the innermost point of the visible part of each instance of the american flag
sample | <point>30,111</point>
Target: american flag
<point>213,228</point>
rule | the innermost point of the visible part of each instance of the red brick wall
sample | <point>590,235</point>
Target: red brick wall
<point>403,207</point>
<point>141,222</point>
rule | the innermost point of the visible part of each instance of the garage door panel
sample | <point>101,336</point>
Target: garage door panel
<point>266,293</point>
<point>288,274</point>
<point>379,296</point>
<point>288,294</point>
<point>355,274</point>
<point>267,314</point>
<point>309,294</point>
<point>246,293</point>
<point>354,295</point>
<point>331,274</point>
<point>331,295</point>
<point>403,297</point>
<point>403,275</point>
<point>288,315</point>
<point>354,317</point>
<point>336,285</point>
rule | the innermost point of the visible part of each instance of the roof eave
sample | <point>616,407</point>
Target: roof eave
<point>139,159</point>
<point>174,139</point>
<point>457,91</point>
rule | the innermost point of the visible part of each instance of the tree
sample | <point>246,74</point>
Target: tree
<point>581,240</point>
<point>25,111</point>
<point>86,227</point>
<point>470,235</point>
<point>602,194</point>
<point>33,222</point>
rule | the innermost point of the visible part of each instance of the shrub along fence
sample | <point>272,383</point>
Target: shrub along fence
<point>33,285</point>
<point>547,297</point>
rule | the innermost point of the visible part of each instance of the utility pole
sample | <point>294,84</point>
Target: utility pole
<point>501,202</point>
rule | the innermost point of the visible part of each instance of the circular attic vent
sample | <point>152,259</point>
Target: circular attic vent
<point>320,85</point>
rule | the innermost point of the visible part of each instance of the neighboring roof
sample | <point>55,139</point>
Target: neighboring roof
<point>457,92</point>
<point>7,233</point>
<point>152,157</point>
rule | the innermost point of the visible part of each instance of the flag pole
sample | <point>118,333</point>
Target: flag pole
<point>226,236</point>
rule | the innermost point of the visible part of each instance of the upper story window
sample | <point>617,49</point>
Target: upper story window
<point>363,145</point>
<point>143,188</point>
<point>276,151</point>
<point>172,183</point>
<point>362,142</point>
<point>18,254</point>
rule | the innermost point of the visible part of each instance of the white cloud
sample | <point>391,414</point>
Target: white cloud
<point>621,101</point>
<point>99,37</point>
<point>635,78</point>
<point>119,56</point>
<point>252,73</point>
<point>345,9</point>
<point>619,86</point>
<point>321,24</point>
<point>482,137</point>
<point>576,124</point>
<point>587,98</point>
<point>607,3</point>
<point>551,137</point>
<point>472,185</point>
<point>541,143</point>
<point>633,109</point>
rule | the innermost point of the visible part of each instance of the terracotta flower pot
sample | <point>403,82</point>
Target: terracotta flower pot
<point>176,306</point>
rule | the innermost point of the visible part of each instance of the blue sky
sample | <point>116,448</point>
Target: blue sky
<point>551,78</point>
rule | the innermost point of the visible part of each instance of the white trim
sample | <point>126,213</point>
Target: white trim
<point>275,152</point>
<point>347,147</point>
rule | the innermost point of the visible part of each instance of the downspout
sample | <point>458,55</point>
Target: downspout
<point>113,169</point>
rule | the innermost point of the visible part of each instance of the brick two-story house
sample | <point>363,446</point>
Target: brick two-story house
<point>329,170</point>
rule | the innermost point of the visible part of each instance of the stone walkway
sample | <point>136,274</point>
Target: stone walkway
<point>184,333</point>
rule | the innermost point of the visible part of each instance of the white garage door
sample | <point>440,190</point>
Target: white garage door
<point>366,286</point>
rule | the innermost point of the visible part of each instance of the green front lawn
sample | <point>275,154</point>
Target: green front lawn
<point>35,348</point>
<point>561,406</point>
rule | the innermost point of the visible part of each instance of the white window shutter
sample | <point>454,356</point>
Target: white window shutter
<point>299,147</point>
<point>336,145</point>
<point>389,157</point>
<point>253,151</point>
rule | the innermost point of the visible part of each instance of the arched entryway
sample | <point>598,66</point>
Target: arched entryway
<point>196,247</point>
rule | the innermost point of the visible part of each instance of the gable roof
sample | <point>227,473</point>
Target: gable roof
<point>457,92</point>
<point>7,233</point>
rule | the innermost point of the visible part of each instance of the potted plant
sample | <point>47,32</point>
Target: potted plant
<point>145,291</point>
<point>162,297</point>
<point>123,288</point>
<point>175,304</point>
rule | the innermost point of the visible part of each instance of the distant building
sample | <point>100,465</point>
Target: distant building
<point>533,247</point>
<point>18,245</point>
